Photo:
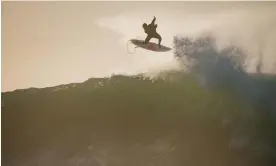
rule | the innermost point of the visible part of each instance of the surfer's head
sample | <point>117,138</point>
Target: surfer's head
<point>145,25</point>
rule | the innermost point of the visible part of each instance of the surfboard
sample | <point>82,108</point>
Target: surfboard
<point>150,46</point>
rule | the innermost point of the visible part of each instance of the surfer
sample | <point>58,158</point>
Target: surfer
<point>150,30</point>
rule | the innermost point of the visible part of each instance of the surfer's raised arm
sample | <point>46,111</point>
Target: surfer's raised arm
<point>150,30</point>
<point>153,21</point>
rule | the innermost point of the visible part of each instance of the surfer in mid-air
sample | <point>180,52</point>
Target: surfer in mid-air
<point>150,30</point>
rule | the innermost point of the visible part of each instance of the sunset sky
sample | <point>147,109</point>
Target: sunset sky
<point>51,43</point>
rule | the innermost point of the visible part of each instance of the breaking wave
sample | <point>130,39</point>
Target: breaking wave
<point>225,68</point>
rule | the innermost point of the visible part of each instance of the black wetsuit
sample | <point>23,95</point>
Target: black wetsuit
<point>150,30</point>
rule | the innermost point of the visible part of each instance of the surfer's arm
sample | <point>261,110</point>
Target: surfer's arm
<point>153,21</point>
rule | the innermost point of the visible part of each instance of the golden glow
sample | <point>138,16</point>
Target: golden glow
<point>50,43</point>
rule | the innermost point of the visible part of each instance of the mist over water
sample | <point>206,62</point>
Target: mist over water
<point>225,68</point>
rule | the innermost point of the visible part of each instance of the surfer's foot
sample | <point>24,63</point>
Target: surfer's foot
<point>159,46</point>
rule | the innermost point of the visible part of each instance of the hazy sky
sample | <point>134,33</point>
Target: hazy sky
<point>51,43</point>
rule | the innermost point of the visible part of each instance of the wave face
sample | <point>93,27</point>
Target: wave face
<point>217,114</point>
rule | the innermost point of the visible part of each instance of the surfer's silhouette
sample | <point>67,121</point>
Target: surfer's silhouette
<point>150,30</point>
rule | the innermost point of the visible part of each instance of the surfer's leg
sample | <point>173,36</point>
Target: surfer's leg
<point>157,36</point>
<point>147,39</point>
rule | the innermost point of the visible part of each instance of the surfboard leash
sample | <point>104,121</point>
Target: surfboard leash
<point>128,48</point>
<point>138,38</point>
